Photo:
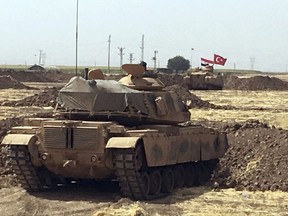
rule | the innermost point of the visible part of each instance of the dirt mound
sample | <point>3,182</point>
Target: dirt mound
<point>43,99</point>
<point>256,158</point>
<point>254,83</point>
<point>190,99</point>
<point>171,79</point>
<point>6,124</point>
<point>194,101</point>
<point>9,82</point>
<point>49,95</point>
<point>7,179</point>
<point>26,76</point>
<point>38,76</point>
<point>234,82</point>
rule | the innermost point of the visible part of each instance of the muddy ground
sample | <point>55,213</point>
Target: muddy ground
<point>255,161</point>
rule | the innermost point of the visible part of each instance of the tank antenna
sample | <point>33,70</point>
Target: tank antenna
<point>76,66</point>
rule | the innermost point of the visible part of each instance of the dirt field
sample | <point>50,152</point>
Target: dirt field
<point>270,107</point>
<point>92,201</point>
<point>252,178</point>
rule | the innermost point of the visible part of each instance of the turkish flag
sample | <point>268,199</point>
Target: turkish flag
<point>219,60</point>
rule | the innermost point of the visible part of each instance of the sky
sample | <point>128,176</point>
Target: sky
<point>251,34</point>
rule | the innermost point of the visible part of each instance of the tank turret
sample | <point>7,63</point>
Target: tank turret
<point>135,99</point>
<point>140,79</point>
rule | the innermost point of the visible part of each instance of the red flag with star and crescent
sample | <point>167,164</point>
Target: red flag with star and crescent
<point>219,60</point>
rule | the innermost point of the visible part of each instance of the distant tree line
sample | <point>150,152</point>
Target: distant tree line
<point>178,64</point>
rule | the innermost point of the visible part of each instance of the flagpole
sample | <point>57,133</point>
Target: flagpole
<point>76,66</point>
<point>191,57</point>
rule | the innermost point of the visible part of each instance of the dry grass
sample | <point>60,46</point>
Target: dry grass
<point>282,76</point>
<point>274,104</point>
<point>231,202</point>
<point>201,202</point>
<point>246,99</point>
<point>8,112</point>
<point>15,94</point>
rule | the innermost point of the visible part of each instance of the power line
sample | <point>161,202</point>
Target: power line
<point>155,59</point>
<point>109,43</point>
<point>131,59</point>
<point>40,57</point>
<point>121,54</point>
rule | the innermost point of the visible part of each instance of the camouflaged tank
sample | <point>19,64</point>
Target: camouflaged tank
<point>204,79</point>
<point>130,131</point>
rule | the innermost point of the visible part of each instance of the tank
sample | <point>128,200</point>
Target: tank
<point>204,79</point>
<point>130,131</point>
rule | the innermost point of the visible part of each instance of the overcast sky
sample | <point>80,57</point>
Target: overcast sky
<point>243,31</point>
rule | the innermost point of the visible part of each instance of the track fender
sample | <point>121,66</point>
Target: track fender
<point>29,140</point>
<point>19,139</point>
<point>122,142</point>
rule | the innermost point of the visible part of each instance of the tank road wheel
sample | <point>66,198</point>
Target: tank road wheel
<point>167,180</point>
<point>139,157</point>
<point>203,172</point>
<point>155,182</point>
<point>189,178</point>
<point>179,176</point>
<point>145,184</point>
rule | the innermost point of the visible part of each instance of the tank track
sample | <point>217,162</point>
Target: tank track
<point>27,174</point>
<point>131,179</point>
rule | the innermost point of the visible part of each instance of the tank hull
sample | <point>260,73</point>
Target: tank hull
<point>69,149</point>
<point>204,81</point>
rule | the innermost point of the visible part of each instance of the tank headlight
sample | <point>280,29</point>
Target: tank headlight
<point>94,158</point>
<point>44,156</point>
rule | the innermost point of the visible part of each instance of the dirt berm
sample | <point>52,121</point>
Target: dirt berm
<point>256,158</point>
<point>8,81</point>
<point>255,83</point>
<point>37,76</point>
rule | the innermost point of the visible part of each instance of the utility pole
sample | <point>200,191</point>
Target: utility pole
<point>131,58</point>
<point>142,48</point>
<point>44,56</point>
<point>252,62</point>
<point>155,59</point>
<point>109,43</point>
<point>121,54</point>
<point>40,57</point>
